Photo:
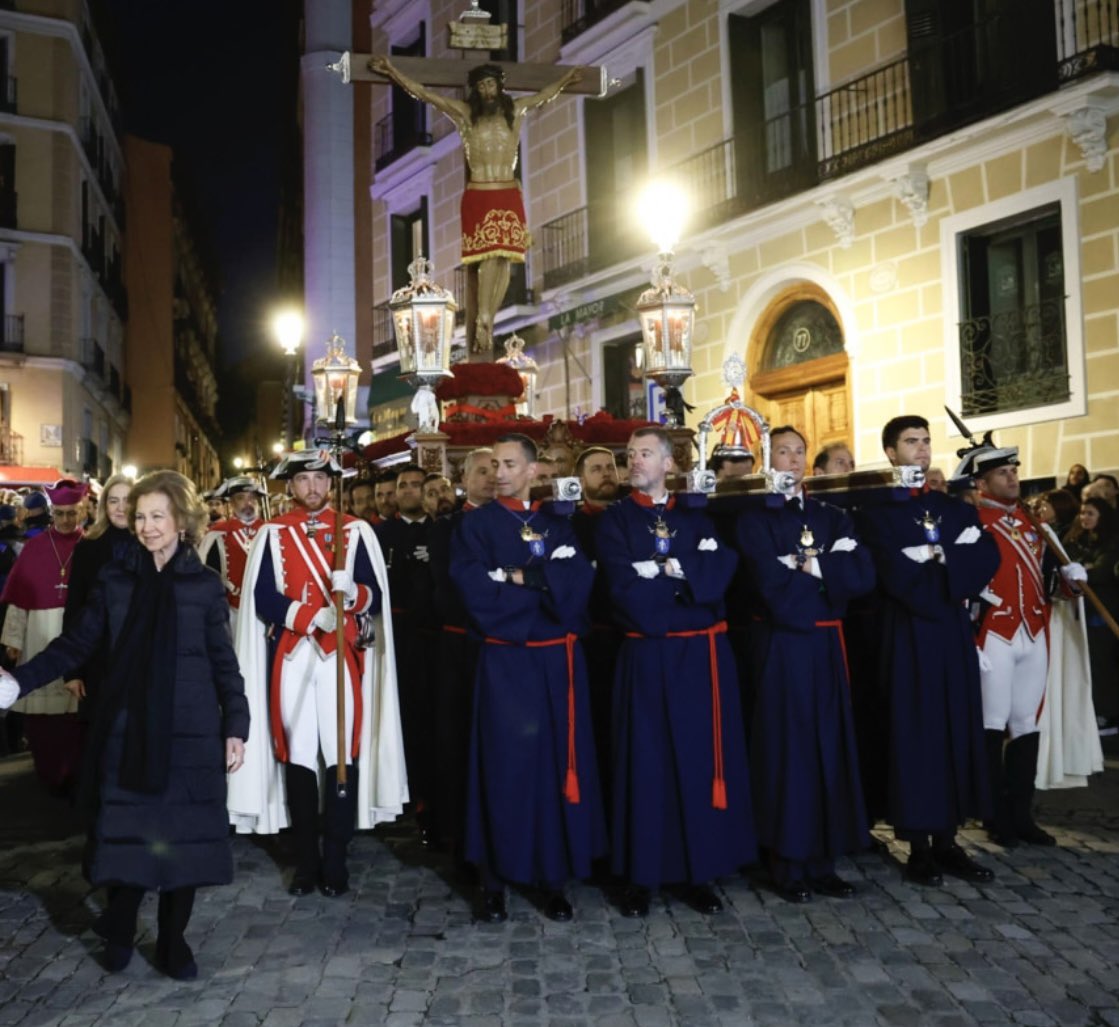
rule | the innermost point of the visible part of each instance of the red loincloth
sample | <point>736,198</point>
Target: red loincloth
<point>493,224</point>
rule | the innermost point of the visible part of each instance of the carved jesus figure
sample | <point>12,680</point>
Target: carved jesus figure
<point>493,216</point>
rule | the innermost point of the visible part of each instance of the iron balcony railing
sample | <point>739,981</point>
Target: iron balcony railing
<point>384,339</point>
<point>518,294</point>
<point>389,144</point>
<point>1087,37</point>
<point>589,239</point>
<point>1014,359</point>
<point>13,334</point>
<point>93,357</point>
<point>576,16</point>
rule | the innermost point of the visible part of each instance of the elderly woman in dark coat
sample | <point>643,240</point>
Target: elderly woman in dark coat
<point>171,720</point>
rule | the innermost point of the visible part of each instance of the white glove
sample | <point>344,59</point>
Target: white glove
<point>498,575</point>
<point>989,597</point>
<point>672,568</point>
<point>324,620</point>
<point>1074,572</point>
<point>563,553</point>
<point>708,545</point>
<point>788,561</point>
<point>812,566</point>
<point>984,663</point>
<point>844,545</point>
<point>342,581</point>
<point>420,553</point>
<point>9,690</point>
<point>969,535</point>
<point>647,568</point>
<point>918,554</point>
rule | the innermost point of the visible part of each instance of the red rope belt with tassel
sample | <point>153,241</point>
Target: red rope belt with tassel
<point>718,782</point>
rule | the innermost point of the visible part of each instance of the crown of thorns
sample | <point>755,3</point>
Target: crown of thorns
<point>475,75</point>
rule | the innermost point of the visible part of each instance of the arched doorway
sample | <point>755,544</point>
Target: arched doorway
<point>797,366</point>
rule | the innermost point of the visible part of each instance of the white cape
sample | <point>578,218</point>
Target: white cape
<point>256,797</point>
<point>1069,748</point>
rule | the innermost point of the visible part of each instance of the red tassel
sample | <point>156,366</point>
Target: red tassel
<point>571,789</point>
<point>719,793</point>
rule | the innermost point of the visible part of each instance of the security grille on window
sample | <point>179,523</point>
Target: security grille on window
<point>1013,344</point>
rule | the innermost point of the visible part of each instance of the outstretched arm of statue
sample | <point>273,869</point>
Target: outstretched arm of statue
<point>456,110</point>
<point>549,93</point>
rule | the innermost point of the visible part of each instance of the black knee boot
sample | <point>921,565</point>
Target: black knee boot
<point>1000,828</point>
<point>1021,770</point>
<point>172,953</point>
<point>303,807</point>
<point>339,816</point>
<point>117,925</point>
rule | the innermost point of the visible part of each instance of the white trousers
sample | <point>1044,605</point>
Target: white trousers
<point>309,707</point>
<point>1014,686</point>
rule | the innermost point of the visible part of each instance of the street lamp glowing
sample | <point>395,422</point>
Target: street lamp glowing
<point>662,208</point>
<point>129,471</point>
<point>277,448</point>
<point>238,462</point>
<point>288,328</point>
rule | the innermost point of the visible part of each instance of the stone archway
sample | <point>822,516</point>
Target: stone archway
<point>798,365</point>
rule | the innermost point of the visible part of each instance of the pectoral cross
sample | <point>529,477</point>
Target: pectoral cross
<point>489,158</point>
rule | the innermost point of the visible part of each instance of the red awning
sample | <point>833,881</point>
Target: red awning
<point>13,477</point>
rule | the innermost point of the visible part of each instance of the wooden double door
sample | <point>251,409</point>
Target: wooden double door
<point>813,397</point>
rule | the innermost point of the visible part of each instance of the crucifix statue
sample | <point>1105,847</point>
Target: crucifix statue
<point>494,233</point>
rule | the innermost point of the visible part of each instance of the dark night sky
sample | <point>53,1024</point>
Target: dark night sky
<point>216,80</point>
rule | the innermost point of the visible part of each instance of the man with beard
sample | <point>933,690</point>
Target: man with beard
<point>803,564</point>
<point>360,496</point>
<point>403,540</point>
<point>598,476</point>
<point>384,495</point>
<point>225,547</point>
<point>493,214</point>
<point>456,663</point>
<point>1013,631</point>
<point>534,813</point>
<point>931,556</point>
<point>215,504</point>
<point>438,496</point>
<point>287,645</point>
<point>35,596</point>
<point>681,805</point>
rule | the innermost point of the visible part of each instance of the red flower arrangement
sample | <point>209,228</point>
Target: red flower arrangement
<point>481,380</point>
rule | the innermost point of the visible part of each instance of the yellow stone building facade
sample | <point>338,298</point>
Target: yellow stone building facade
<point>896,206</point>
<point>63,399</point>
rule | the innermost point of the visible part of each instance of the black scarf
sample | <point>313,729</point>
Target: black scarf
<point>141,677</point>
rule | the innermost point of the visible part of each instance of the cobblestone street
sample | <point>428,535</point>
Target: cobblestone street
<point>1040,946</point>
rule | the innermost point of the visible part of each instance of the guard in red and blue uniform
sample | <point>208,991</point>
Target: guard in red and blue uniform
<point>681,808</point>
<point>292,580</point>
<point>804,562</point>
<point>931,557</point>
<point>225,547</point>
<point>534,812</point>
<point>1012,635</point>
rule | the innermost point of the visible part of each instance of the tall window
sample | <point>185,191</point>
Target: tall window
<point>406,126</point>
<point>616,159</point>
<point>504,12</point>
<point>773,100</point>
<point>1013,347</point>
<point>623,386</point>
<point>408,240</point>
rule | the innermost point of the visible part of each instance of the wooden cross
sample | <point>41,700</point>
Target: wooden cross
<point>451,72</point>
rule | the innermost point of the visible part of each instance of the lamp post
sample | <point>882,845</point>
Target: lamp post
<point>516,358</point>
<point>288,327</point>
<point>666,312</point>
<point>423,320</point>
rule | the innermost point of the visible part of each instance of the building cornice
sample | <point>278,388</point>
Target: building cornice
<point>38,24</point>
<point>48,125</point>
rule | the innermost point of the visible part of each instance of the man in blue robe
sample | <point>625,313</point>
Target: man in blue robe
<point>803,563</point>
<point>534,812</point>
<point>681,810</point>
<point>931,557</point>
